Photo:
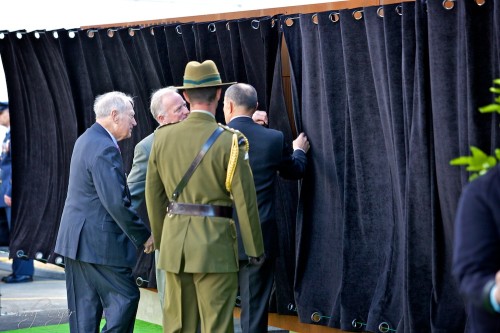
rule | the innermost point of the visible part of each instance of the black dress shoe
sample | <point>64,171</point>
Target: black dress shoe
<point>4,278</point>
<point>18,278</point>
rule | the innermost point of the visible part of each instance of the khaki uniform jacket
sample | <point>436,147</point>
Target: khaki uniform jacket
<point>205,244</point>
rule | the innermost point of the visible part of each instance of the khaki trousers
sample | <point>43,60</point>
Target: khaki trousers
<point>191,297</point>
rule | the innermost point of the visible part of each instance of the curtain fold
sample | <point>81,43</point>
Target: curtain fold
<point>286,201</point>
<point>383,29</point>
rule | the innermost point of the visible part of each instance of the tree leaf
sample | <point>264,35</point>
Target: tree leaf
<point>490,108</point>
<point>473,176</point>
<point>478,154</point>
<point>462,160</point>
<point>490,162</point>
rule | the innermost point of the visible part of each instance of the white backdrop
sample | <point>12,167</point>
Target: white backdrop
<point>35,14</point>
<point>3,88</point>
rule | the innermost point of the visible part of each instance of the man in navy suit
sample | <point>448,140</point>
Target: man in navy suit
<point>22,270</point>
<point>268,157</point>
<point>99,229</point>
<point>476,253</point>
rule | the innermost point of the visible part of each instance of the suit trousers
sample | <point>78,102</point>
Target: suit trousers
<point>93,289</point>
<point>190,297</point>
<point>255,284</point>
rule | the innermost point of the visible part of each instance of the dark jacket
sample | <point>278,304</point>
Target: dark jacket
<point>476,257</point>
<point>97,224</point>
<point>268,157</point>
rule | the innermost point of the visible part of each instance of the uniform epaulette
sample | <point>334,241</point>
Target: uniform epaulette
<point>227,128</point>
<point>242,139</point>
<point>238,140</point>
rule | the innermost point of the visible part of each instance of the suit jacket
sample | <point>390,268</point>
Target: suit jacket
<point>476,256</point>
<point>97,224</point>
<point>137,178</point>
<point>5,169</point>
<point>268,156</point>
<point>207,244</point>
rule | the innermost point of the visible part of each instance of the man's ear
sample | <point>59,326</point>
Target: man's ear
<point>160,117</point>
<point>114,116</point>
<point>186,97</point>
<point>232,106</point>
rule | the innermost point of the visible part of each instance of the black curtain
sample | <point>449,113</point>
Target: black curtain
<point>43,131</point>
<point>387,96</point>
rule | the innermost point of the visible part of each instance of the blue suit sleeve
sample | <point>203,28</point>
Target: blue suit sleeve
<point>110,183</point>
<point>292,166</point>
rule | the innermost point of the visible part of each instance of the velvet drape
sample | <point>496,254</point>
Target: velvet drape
<point>387,96</point>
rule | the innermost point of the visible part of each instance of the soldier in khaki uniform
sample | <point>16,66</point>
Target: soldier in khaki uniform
<point>191,219</point>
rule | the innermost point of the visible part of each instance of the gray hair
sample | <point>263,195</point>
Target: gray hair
<point>244,95</point>
<point>114,100</point>
<point>156,100</point>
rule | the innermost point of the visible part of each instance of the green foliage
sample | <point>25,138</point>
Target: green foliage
<point>493,107</point>
<point>479,162</point>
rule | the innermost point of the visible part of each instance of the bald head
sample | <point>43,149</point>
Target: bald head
<point>240,99</point>
<point>244,96</point>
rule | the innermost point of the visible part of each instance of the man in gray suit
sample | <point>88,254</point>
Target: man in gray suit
<point>167,107</point>
<point>99,228</point>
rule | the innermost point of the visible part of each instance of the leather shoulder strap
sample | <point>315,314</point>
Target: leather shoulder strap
<point>206,146</point>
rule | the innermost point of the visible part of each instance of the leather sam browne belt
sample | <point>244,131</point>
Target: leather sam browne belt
<point>199,210</point>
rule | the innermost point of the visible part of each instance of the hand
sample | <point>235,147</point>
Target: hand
<point>8,200</point>
<point>257,261</point>
<point>497,283</point>
<point>301,143</point>
<point>149,245</point>
<point>260,117</point>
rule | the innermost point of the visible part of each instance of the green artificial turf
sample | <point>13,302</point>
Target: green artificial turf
<point>140,327</point>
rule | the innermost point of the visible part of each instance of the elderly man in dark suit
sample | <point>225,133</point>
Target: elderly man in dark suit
<point>195,171</point>
<point>268,157</point>
<point>98,228</point>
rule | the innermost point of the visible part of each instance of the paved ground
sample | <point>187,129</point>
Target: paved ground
<point>41,302</point>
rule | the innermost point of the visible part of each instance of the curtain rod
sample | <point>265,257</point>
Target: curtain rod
<point>303,9</point>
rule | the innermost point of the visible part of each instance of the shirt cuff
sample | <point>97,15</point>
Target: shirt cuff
<point>493,301</point>
<point>300,149</point>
